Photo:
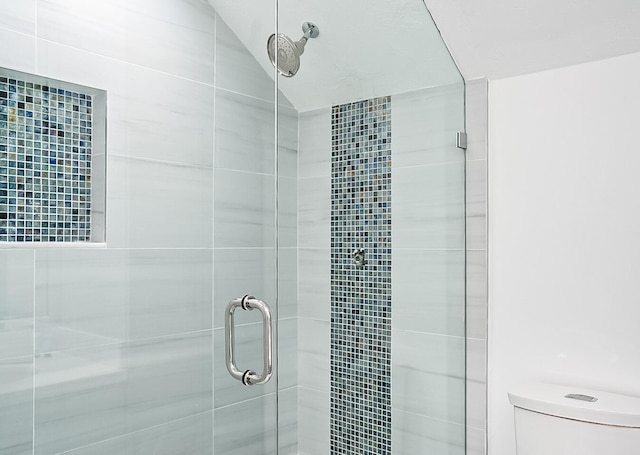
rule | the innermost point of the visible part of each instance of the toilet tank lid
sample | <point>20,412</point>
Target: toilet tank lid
<point>609,409</point>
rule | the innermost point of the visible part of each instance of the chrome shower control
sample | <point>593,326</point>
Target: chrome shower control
<point>358,257</point>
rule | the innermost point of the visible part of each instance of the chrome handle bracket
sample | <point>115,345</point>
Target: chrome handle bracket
<point>249,377</point>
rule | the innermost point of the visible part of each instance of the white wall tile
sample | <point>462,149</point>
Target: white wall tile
<point>477,120</point>
<point>287,357</point>
<point>287,141</point>
<point>288,421</point>
<point>314,288</point>
<point>314,422</point>
<point>476,214</point>
<point>314,345</point>
<point>150,114</point>
<point>476,294</point>
<point>428,375</point>
<point>176,37</point>
<point>287,282</point>
<point>16,405</point>
<point>21,55</point>
<point>157,204</point>
<point>236,69</point>
<point>428,206</point>
<point>192,435</point>
<point>288,212</point>
<point>476,441</point>
<point>249,346</point>
<point>19,16</point>
<point>232,438</point>
<point>424,126</point>
<point>428,291</point>
<point>239,272</point>
<point>16,309</point>
<point>244,209</point>
<point>414,433</point>
<point>89,395</point>
<point>314,158</point>
<point>245,133</point>
<point>314,212</point>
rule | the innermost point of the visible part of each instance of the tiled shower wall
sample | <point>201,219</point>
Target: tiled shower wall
<point>476,190</point>
<point>428,338</point>
<point>122,337</point>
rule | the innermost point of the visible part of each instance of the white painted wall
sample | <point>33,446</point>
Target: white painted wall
<point>564,225</point>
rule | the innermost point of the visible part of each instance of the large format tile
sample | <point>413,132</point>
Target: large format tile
<point>288,421</point>
<point>287,212</point>
<point>16,406</point>
<point>428,375</point>
<point>89,395</point>
<point>477,113</point>
<point>247,427</point>
<point>413,433</point>
<point>424,126</point>
<point>177,37</point>
<point>244,209</point>
<point>150,114</point>
<point>245,133</point>
<point>236,69</point>
<point>476,198</point>
<point>314,159</point>
<point>21,55</point>
<point>191,435</point>
<point>19,16</point>
<point>16,303</point>
<point>248,356</point>
<point>429,291</point>
<point>428,206</point>
<point>314,283</point>
<point>287,357</point>
<point>158,205</point>
<point>314,346</point>
<point>287,282</point>
<point>313,422</point>
<point>239,272</point>
<point>314,212</point>
<point>287,142</point>
<point>476,284</point>
<point>99,296</point>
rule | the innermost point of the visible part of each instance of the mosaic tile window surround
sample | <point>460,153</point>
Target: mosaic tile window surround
<point>46,148</point>
<point>361,295</point>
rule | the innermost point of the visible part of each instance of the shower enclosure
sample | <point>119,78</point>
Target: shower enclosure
<point>283,261</point>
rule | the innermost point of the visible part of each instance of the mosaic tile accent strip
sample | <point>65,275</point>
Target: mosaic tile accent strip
<point>45,163</point>
<point>361,296</point>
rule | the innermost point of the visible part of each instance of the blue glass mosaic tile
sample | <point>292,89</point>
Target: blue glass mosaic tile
<point>45,163</point>
<point>361,296</point>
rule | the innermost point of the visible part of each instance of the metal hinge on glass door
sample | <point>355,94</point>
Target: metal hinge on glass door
<point>461,140</point>
<point>249,377</point>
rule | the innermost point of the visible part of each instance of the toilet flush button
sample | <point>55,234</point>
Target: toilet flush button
<point>581,397</point>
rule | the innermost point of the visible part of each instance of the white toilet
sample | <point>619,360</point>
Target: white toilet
<point>559,420</point>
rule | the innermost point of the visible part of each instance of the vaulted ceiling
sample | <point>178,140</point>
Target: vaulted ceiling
<point>376,47</point>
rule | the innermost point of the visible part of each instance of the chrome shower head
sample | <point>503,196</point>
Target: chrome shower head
<point>289,51</point>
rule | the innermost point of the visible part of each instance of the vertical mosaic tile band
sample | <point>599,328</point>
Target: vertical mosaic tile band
<point>45,163</point>
<point>361,295</point>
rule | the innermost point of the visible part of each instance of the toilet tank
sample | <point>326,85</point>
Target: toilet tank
<point>560,420</point>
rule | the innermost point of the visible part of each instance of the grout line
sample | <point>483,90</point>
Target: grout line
<point>75,449</point>
<point>266,395</point>
<point>154,160</point>
<point>137,65</point>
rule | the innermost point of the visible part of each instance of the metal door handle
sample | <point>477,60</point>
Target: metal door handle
<point>248,377</point>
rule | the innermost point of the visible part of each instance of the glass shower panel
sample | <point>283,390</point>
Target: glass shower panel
<point>245,230</point>
<point>381,247</point>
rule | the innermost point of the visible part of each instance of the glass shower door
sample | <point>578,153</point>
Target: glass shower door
<point>245,289</point>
